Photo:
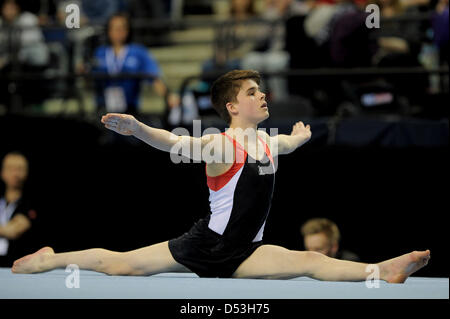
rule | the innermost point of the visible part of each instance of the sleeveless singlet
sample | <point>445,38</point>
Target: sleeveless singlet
<point>240,201</point>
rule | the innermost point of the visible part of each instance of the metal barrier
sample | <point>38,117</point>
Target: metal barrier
<point>15,76</point>
<point>334,73</point>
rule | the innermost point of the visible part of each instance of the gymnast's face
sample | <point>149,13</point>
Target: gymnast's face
<point>251,103</point>
<point>320,243</point>
<point>14,171</point>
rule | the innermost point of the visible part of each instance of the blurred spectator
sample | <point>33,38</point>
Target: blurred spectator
<point>321,21</point>
<point>27,38</point>
<point>350,42</point>
<point>399,41</point>
<point>17,217</point>
<point>121,56</point>
<point>399,45</point>
<point>235,37</point>
<point>415,3</point>
<point>322,235</point>
<point>271,55</point>
<point>337,29</point>
<point>441,29</point>
<point>45,10</point>
<point>99,11</point>
<point>309,38</point>
<point>22,49</point>
<point>303,51</point>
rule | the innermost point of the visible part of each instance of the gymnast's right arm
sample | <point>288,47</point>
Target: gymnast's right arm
<point>158,138</point>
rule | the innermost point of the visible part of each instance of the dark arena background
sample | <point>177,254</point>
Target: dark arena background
<point>377,162</point>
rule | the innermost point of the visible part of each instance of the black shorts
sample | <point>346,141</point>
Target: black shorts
<point>209,254</point>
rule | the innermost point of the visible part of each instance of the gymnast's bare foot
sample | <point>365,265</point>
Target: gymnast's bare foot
<point>397,270</point>
<point>34,262</point>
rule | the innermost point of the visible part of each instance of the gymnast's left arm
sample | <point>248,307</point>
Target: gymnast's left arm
<point>285,144</point>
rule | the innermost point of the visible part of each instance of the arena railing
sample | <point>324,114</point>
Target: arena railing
<point>334,73</point>
<point>189,23</point>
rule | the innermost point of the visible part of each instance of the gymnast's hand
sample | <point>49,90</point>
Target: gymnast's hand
<point>299,129</point>
<point>124,124</point>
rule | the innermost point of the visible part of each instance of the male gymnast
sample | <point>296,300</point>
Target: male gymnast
<point>227,243</point>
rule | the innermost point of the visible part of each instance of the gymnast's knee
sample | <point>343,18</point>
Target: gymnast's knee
<point>308,257</point>
<point>306,254</point>
<point>117,264</point>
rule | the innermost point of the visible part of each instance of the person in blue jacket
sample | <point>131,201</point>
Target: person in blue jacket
<point>121,56</point>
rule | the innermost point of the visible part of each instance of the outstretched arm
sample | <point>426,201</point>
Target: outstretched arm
<point>159,138</point>
<point>285,144</point>
<point>126,124</point>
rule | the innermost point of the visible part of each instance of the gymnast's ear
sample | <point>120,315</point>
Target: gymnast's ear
<point>231,107</point>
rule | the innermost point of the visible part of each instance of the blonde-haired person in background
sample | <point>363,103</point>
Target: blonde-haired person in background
<point>323,236</point>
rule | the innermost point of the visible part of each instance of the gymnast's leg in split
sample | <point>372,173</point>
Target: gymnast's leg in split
<point>146,261</point>
<point>267,262</point>
<point>275,262</point>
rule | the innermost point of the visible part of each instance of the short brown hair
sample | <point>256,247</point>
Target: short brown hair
<point>321,225</point>
<point>226,88</point>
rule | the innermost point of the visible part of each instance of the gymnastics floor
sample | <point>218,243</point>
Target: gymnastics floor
<point>92,285</point>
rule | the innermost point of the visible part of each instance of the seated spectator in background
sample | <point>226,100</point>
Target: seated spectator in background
<point>16,215</point>
<point>316,38</point>
<point>350,42</point>
<point>322,235</point>
<point>45,10</point>
<point>303,51</point>
<point>121,56</point>
<point>399,41</point>
<point>321,20</point>
<point>440,22</point>
<point>399,45</point>
<point>339,33</point>
<point>416,3</point>
<point>22,49</point>
<point>235,37</point>
<point>271,55</point>
<point>29,41</point>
